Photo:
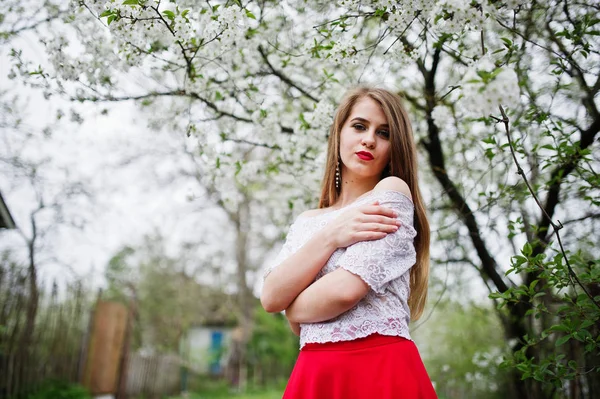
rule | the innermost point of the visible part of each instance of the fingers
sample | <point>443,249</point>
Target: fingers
<point>375,209</point>
<point>378,227</point>
<point>379,219</point>
<point>370,235</point>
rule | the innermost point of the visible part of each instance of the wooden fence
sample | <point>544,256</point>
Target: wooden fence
<point>54,345</point>
<point>41,337</point>
<point>152,376</point>
<point>45,335</point>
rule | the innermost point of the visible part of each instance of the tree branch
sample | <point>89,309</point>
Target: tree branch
<point>548,218</point>
<point>283,77</point>
<point>437,162</point>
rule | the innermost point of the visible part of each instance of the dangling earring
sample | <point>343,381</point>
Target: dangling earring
<point>337,175</point>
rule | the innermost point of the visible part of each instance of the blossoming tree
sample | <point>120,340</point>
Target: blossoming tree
<point>494,88</point>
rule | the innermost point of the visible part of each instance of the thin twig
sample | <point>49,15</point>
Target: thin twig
<point>255,144</point>
<point>555,226</point>
<point>452,88</point>
<point>283,77</point>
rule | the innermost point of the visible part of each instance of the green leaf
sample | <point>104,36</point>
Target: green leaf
<point>304,123</point>
<point>250,15</point>
<point>106,13</point>
<point>169,14</point>
<point>533,284</point>
<point>527,250</point>
<point>559,327</point>
<point>507,42</point>
<point>562,340</point>
<point>549,147</point>
<point>131,3</point>
<point>380,12</point>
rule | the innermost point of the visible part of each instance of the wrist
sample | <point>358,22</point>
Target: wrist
<point>327,240</point>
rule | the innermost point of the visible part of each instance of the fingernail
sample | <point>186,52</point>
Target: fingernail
<point>399,223</point>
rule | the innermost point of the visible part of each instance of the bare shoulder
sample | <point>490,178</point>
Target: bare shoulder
<point>312,212</point>
<point>393,183</point>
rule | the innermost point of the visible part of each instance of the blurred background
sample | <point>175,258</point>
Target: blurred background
<point>154,153</point>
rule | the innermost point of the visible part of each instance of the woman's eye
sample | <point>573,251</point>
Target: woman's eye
<point>384,133</point>
<point>358,126</point>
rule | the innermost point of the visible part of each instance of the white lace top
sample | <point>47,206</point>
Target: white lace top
<point>383,264</point>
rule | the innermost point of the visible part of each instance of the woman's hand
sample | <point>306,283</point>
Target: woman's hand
<point>362,223</point>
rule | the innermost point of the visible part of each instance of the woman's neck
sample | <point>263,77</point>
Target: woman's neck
<point>353,189</point>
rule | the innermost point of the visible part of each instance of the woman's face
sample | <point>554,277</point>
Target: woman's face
<point>365,140</point>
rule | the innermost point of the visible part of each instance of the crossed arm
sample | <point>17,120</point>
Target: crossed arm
<point>290,286</point>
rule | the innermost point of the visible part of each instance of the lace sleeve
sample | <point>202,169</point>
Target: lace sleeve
<point>284,253</point>
<point>381,261</point>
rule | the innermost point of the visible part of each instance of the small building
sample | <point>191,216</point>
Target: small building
<point>206,345</point>
<point>206,348</point>
<point>6,220</point>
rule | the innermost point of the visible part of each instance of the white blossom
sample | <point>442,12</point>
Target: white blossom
<point>481,98</point>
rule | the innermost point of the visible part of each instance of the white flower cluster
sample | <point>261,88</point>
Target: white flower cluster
<point>184,31</point>
<point>483,360</point>
<point>403,57</point>
<point>249,171</point>
<point>344,51</point>
<point>460,15</point>
<point>385,4</point>
<point>135,28</point>
<point>62,64</point>
<point>514,4</point>
<point>481,95</point>
<point>349,4</point>
<point>322,117</point>
<point>442,116</point>
<point>399,19</point>
<point>231,25</point>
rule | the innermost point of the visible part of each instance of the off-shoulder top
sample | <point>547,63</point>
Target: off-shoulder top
<point>383,264</point>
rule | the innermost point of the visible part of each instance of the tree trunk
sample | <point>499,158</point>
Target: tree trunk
<point>244,295</point>
<point>515,325</point>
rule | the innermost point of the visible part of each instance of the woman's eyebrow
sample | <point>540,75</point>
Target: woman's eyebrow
<point>359,119</point>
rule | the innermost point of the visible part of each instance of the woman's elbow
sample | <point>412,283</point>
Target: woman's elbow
<point>269,303</point>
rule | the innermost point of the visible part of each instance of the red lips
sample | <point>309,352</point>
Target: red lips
<point>365,156</point>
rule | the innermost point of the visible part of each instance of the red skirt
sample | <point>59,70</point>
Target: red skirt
<point>375,367</point>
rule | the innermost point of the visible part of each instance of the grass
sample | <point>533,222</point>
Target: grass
<point>264,394</point>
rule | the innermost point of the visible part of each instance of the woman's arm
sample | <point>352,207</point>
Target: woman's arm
<point>328,297</point>
<point>296,273</point>
<point>340,290</point>
<point>295,327</point>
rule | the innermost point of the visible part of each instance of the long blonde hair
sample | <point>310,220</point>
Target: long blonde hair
<point>403,164</point>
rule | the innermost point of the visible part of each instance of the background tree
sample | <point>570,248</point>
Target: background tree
<point>260,78</point>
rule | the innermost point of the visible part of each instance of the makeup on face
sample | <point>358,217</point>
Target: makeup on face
<point>365,138</point>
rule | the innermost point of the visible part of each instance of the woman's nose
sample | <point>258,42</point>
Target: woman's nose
<point>369,139</point>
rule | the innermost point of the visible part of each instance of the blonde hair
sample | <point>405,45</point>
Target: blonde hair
<point>403,164</point>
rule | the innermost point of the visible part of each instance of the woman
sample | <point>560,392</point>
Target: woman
<point>352,273</point>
